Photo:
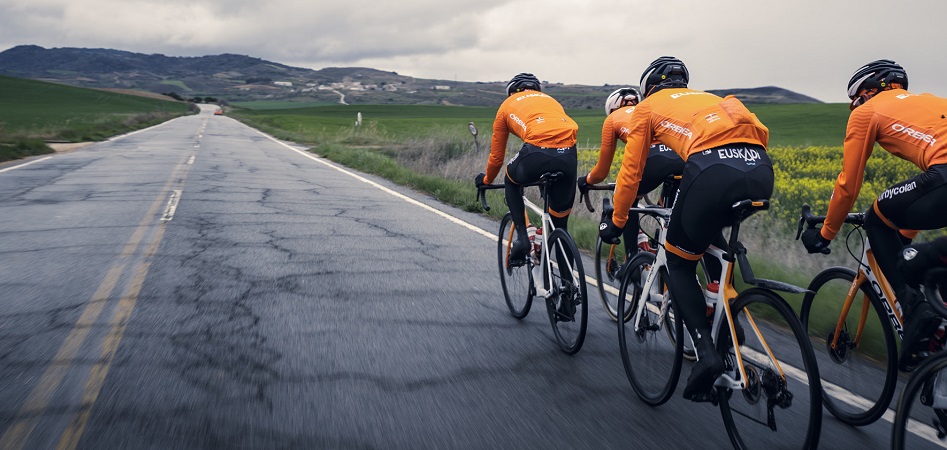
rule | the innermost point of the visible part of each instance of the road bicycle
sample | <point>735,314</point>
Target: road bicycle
<point>553,271</point>
<point>927,387</point>
<point>609,258</point>
<point>853,320</point>
<point>770,389</point>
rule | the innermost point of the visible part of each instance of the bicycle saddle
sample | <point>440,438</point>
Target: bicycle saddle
<point>746,208</point>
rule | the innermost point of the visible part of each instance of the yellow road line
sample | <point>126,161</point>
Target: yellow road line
<point>30,413</point>
<point>123,311</point>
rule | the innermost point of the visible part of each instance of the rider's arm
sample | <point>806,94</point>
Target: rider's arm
<point>606,153</point>
<point>632,166</point>
<point>501,133</point>
<point>860,138</point>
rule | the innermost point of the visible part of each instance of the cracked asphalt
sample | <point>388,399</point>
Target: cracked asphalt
<point>286,305</point>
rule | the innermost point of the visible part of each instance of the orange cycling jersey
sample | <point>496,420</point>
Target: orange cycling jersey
<point>909,126</point>
<point>687,121</point>
<point>534,117</point>
<point>615,127</point>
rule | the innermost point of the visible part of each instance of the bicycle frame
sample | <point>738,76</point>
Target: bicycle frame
<point>548,229</point>
<point>723,297</point>
<point>869,272</point>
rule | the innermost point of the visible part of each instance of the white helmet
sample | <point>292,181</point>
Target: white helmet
<point>622,97</point>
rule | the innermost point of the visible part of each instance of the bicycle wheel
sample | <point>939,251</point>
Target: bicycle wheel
<point>925,426</point>
<point>860,374</point>
<point>652,360</point>
<point>608,258</point>
<point>568,305</point>
<point>780,404</point>
<point>516,280</point>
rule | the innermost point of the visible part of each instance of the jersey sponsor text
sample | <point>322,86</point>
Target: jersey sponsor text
<point>898,128</point>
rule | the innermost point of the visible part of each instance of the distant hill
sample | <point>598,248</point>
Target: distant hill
<point>243,78</point>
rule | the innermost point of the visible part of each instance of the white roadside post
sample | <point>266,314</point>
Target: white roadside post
<point>473,131</point>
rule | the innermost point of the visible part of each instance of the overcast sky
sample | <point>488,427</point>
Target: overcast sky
<point>808,46</point>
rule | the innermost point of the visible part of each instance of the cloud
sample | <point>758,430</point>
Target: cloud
<point>806,45</point>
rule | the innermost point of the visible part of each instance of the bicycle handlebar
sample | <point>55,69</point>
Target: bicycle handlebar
<point>594,187</point>
<point>810,219</point>
<point>482,194</point>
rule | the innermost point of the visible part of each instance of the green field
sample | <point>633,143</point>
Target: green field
<point>34,111</point>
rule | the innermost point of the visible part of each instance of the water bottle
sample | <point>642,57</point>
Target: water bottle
<point>710,298</point>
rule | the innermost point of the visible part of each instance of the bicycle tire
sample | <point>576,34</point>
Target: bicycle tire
<point>608,258</point>
<point>927,422</point>
<point>846,369</point>
<point>781,403</point>
<point>517,282</point>
<point>568,307</point>
<point>652,379</point>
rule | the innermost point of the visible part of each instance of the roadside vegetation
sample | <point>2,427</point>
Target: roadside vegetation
<point>34,113</point>
<point>429,148</point>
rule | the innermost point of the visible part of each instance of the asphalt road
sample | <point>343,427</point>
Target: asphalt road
<point>201,285</point>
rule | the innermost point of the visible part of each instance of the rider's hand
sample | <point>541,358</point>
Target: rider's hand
<point>582,184</point>
<point>478,180</point>
<point>814,242</point>
<point>608,231</point>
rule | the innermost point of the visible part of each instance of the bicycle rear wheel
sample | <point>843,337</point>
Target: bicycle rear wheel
<point>568,305</point>
<point>517,281</point>
<point>780,404</point>
<point>859,374</point>
<point>651,356</point>
<point>608,259</point>
<point>924,426</point>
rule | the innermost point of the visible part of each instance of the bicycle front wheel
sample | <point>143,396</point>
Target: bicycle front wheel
<point>924,426</point>
<point>860,368</point>
<point>516,280</point>
<point>608,259</point>
<point>649,352</point>
<point>568,305</point>
<point>779,402</point>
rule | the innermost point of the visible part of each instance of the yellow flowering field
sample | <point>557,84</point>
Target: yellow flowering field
<point>804,175</point>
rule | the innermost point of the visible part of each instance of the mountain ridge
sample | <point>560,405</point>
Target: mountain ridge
<point>232,77</point>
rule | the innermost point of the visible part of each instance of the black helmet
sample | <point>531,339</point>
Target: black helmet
<point>523,82</point>
<point>878,75</point>
<point>621,97</point>
<point>664,72</point>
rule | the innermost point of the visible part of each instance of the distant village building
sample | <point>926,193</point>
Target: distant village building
<point>283,83</point>
<point>441,88</point>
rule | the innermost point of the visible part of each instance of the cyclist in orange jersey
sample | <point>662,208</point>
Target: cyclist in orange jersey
<point>724,148</point>
<point>909,126</point>
<point>662,161</point>
<point>549,137</point>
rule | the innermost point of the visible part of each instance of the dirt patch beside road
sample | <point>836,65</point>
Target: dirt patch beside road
<point>68,147</point>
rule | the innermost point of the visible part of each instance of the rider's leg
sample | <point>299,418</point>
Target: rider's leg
<point>915,204</point>
<point>514,200</point>
<point>689,297</point>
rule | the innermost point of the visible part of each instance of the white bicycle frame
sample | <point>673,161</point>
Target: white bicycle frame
<point>655,295</point>
<point>548,229</point>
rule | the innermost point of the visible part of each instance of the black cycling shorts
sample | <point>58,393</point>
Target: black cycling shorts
<point>919,203</point>
<point>713,181</point>
<point>531,162</point>
<point>662,162</point>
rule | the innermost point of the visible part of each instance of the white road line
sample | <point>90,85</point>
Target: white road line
<point>191,159</point>
<point>796,372</point>
<point>25,164</point>
<point>382,188</point>
<point>172,205</point>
